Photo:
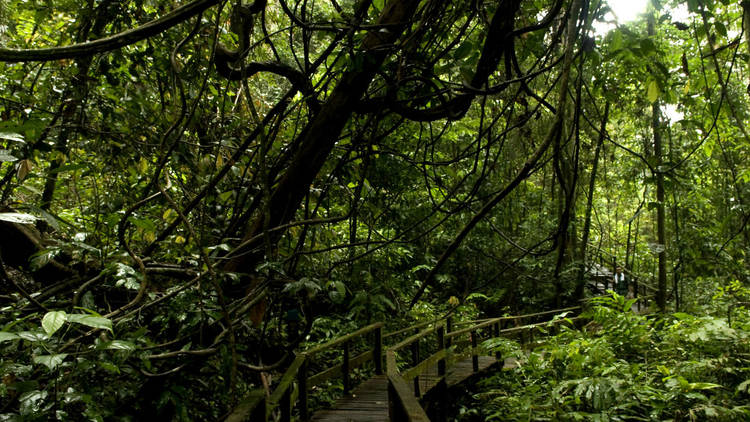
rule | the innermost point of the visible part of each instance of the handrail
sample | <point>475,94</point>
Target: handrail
<point>339,340</point>
<point>493,321</point>
<point>403,404</point>
<point>416,326</point>
<point>259,407</point>
<point>637,276</point>
<point>409,340</point>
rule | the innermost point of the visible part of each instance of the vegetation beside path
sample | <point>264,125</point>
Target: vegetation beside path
<point>625,367</point>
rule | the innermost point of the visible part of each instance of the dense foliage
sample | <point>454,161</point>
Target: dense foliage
<point>190,193</point>
<point>624,367</point>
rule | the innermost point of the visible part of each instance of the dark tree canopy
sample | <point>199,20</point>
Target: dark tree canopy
<point>191,192</point>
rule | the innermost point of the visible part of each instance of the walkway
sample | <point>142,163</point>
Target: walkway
<point>434,353</point>
<point>369,401</point>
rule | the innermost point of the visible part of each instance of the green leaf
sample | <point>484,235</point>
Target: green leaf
<point>477,296</point>
<point>5,336</point>
<point>109,367</point>
<point>702,386</point>
<point>463,50</point>
<point>52,321</point>
<point>10,136</point>
<point>33,336</point>
<point>653,91</point>
<point>647,46</point>
<point>721,29</point>
<point>17,217</point>
<point>5,156</point>
<point>91,321</point>
<point>120,345</point>
<point>50,361</point>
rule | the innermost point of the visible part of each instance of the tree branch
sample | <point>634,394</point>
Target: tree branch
<point>102,45</point>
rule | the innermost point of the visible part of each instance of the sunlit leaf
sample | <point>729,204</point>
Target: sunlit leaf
<point>5,156</point>
<point>33,336</point>
<point>91,321</point>
<point>10,136</point>
<point>16,217</point>
<point>52,321</point>
<point>120,345</point>
<point>50,361</point>
<point>6,336</point>
<point>653,91</point>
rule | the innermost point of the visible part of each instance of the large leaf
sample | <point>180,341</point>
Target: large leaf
<point>50,361</point>
<point>6,156</point>
<point>91,321</point>
<point>17,217</point>
<point>120,345</point>
<point>653,91</point>
<point>10,136</point>
<point>33,335</point>
<point>6,336</point>
<point>53,320</point>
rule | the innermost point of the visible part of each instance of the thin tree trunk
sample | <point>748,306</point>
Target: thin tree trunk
<point>661,238</point>
<point>590,205</point>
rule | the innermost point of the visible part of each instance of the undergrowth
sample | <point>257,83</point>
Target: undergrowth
<point>624,367</point>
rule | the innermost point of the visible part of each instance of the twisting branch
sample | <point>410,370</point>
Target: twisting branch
<point>131,36</point>
<point>554,133</point>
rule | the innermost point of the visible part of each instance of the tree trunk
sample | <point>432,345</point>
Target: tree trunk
<point>661,238</point>
<point>321,134</point>
<point>590,206</point>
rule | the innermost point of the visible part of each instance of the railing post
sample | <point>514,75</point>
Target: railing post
<point>302,384</point>
<point>286,405</point>
<point>345,368</point>
<point>498,355</point>
<point>441,346</point>
<point>522,333</point>
<point>474,356</point>
<point>448,329</point>
<point>531,335</point>
<point>443,383</point>
<point>395,413</point>
<point>377,351</point>
<point>261,412</point>
<point>415,362</point>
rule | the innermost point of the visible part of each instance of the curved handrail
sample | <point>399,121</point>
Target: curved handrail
<point>259,407</point>
<point>403,403</point>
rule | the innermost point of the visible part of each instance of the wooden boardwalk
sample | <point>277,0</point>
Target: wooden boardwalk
<point>369,401</point>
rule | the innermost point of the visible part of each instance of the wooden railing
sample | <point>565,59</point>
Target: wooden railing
<point>259,406</point>
<point>443,345</point>
<point>403,401</point>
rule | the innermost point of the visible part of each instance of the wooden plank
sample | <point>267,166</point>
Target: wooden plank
<point>370,401</point>
<point>367,403</point>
